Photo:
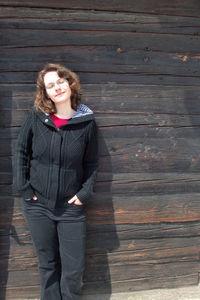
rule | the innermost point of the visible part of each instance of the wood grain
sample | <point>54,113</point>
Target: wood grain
<point>163,7</point>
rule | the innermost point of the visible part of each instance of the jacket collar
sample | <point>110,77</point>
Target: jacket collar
<point>83,114</point>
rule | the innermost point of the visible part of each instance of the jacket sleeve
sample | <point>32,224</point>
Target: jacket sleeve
<point>21,158</point>
<point>90,165</point>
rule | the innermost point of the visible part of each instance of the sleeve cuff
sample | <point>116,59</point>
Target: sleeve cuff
<point>28,192</point>
<point>83,196</point>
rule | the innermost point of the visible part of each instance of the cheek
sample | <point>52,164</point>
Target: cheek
<point>46,93</point>
<point>49,95</point>
<point>69,92</point>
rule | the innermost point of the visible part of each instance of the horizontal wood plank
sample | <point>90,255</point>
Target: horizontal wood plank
<point>135,272</point>
<point>116,99</point>
<point>150,41</point>
<point>103,77</point>
<point>163,7</point>
<point>102,59</point>
<point>28,18</point>
<point>135,208</point>
<point>139,284</point>
<point>106,287</point>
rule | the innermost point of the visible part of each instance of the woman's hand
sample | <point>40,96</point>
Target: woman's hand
<point>33,198</point>
<point>75,201</point>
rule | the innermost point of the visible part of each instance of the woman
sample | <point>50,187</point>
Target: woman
<point>55,167</point>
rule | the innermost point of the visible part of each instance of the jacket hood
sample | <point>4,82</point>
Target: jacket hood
<point>82,114</point>
<point>82,110</point>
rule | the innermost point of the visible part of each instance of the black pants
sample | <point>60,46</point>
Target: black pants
<point>59,239</point>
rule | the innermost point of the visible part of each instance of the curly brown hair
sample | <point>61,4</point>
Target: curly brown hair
<point>43,102</point>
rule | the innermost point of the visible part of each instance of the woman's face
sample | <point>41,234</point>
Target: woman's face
<point>57,88</point>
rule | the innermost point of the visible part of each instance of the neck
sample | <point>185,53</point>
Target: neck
<point>64,110</point>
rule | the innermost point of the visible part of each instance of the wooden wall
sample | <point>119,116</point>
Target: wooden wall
<point>138,63</point>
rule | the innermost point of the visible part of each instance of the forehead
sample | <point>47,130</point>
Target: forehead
<point>51,76</point>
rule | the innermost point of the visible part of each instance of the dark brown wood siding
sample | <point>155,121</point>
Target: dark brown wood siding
<point>138,62</point>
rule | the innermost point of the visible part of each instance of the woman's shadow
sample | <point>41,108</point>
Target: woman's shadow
<point>8,234</point>
<point>102,237</point>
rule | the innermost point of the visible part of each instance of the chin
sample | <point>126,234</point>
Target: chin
<point>61,100</point>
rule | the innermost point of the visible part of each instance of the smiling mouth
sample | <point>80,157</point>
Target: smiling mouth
<point>60,94</point>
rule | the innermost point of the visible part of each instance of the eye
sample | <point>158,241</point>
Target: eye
<point>50,86</point>
<point>61,81</point>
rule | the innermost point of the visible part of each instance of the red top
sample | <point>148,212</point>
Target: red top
<point>58,121</point>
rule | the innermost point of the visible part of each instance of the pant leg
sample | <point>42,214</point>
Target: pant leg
<point>72,236</point>
<point>44,235</point>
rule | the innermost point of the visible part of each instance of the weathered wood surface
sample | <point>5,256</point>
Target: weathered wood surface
<point>138,63</point>
<point>138,254</point>
<point>96,20</point>
<point>155,7</point>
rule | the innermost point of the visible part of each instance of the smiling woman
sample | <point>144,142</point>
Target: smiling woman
<point>54,82</point>
<point>59,91</point>
<point>55,167</point>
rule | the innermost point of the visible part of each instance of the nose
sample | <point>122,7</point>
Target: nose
<point>57,86</point>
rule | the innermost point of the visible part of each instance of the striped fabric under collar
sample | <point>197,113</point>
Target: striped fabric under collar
<point>82,110</point>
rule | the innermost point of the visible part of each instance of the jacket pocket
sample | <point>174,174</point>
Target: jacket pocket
<point>70,182</point>
<point>39,178</point>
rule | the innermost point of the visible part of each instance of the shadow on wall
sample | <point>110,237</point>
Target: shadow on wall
<point>7,230</point>
<point>10,226</point>
<point>102,237</point>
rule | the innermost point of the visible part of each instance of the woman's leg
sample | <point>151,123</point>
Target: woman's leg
<point>44,235</point>
<point>72,252</point>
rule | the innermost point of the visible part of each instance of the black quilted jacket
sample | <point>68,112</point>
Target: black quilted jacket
<point>56,164</point>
